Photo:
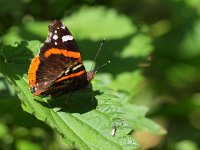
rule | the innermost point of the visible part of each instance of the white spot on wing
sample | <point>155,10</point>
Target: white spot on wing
<point>77,67</point>
<point>67,38</point>
<point>55,37</point>
<point>55,43</point>
<point>63,27</point>
<point>55,31</point>
<point>66,71</point>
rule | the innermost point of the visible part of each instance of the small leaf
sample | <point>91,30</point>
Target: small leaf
<point>139,46</point>
<point>84,120</point>
<point>190,45</point>
<point>136,116</point>
<point>122,80</point>
<point>97,23</point>
<point>12,36</point>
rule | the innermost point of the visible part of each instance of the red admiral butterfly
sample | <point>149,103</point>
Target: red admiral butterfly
<point>58,69</point>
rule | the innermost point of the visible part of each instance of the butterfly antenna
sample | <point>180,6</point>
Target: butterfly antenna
<point>95,58</point>
<point>102,66</point>
<point>93,70</point>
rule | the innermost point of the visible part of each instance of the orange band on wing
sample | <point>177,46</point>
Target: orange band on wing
<point>71,76</point>
<point>32,70</point>
<point>64,52</point>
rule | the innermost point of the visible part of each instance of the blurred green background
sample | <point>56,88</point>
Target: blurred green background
<point>155,59</point>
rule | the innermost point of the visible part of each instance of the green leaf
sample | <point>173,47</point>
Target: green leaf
<point>3,130</point>
<point>29,30</point>
<point>135,114</point>
<point>97,23</point>
<point>12,35</point>
<point>83,120</point>
<point>190,45</point>
<point>122,80</point>
<point>24,145</point>
<point>186,145</point>
<point>139,46</point>
<point>6,91</point>
<point>93,23</point>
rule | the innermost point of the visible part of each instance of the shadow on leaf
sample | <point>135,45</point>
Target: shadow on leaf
<point>81,102</point>
<point>15,61</point>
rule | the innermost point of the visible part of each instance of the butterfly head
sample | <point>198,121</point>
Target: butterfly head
<point>90,75</point>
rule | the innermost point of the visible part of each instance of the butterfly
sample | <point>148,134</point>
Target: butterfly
<point>58,69</point>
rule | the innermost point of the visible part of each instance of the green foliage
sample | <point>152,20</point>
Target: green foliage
<point>95,24</point>
<point>154,52</point>
<point>80,120</point>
